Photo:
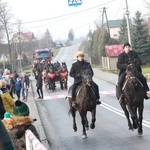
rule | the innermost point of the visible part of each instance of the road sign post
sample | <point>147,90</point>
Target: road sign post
<point>74,2</point>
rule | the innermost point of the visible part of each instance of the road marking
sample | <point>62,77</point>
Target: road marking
<point>58,96</point>
<point>121,113</point>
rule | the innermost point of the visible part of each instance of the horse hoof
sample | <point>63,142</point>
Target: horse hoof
<point>74,129</point>
<point>140,131</point>
<point>92,126</point>
<point>84,136</point>
<point>131,129</point>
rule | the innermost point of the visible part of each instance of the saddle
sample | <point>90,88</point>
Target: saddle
<point>78,90</point>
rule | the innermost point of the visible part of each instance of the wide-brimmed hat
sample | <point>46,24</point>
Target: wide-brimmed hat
<point>21,109</point>
<point>79,53</point>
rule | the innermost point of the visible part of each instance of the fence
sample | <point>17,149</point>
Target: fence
<point>32,143</point>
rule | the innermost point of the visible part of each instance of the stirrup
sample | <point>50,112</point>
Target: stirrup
<point>74,104</point>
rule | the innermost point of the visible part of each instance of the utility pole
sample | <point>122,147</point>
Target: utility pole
<point>104,12</point>
<point>128,24</point>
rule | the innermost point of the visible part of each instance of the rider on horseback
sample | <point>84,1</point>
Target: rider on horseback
<point>75,72</point>
<point>125,58</point>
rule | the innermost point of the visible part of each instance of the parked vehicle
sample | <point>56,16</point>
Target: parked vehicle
<point>42,54</point>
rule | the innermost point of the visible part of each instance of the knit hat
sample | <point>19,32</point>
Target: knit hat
<point>7,115</point>
<point>126,44</point>
<point>21,109</point>
<point>79,53</point>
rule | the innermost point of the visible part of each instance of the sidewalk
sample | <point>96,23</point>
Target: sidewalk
<point>35,114</point>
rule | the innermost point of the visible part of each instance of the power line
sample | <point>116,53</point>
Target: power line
<point>67,14</point>
<point>118,9</point>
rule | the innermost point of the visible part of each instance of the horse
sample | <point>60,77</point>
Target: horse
<point>86,101</point>
<point>63,76</point>
<point>133,103</point>
<point>50,77</point>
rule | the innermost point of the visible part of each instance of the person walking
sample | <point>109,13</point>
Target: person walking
<point>24,86</point>
<point>39,84</point>
<point>18,88</point>
<point>75,72</point>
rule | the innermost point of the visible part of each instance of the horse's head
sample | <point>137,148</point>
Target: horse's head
<point>131,71</point>
<point>86,75</point>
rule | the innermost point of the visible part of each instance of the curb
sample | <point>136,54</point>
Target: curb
<point>38,124</point>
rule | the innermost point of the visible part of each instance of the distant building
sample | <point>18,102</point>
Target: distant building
<point>114,27</point>
<point>20,37</point>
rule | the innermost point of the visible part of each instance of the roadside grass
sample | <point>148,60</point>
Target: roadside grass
<point>145,69</point>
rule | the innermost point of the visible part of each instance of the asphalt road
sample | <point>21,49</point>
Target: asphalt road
<point>111,131</point>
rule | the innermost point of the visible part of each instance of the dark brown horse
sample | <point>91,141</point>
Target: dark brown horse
<point>50,77</point>
<point>133,103</point>
<point>86,101</point>
<point>63,76</point>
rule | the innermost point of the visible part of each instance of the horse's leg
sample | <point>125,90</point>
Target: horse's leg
<point>65,83</point>
<point>133,112</point>
<point>86,123</point>
<point>73,112</point>
<point>92,126</point>
<point>140,111</point>
<point>83,115</point>
<point>123,106</point>
<point>61,84</point>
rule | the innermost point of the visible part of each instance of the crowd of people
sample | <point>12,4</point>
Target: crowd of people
<point>14,114</point>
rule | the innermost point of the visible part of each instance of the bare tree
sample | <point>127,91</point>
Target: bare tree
<point>5,20</point>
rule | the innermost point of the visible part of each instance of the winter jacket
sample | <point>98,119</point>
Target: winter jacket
<point>126,59</point>
<point>76,69</point>
<point>8,102</point>
<point>17,127</point>
<point>39,80</point>
<point>18,85</point>
<point>5,140</point>
<point>2,110</point>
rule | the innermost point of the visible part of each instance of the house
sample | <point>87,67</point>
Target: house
<point>20,37</point>
<point>114,27</point>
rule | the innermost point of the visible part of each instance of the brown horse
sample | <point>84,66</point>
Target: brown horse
<point>86,101</point>
<point>134,97</point>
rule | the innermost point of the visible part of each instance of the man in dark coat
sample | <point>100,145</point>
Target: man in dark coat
<point>75,72</point>
<point>39,84</point>
<point>124,59</point>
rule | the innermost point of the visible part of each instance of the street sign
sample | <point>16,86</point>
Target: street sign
<point>74,2</point>
<point>3,58</point>
<point>19,57</point>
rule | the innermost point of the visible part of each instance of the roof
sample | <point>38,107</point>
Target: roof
<point>114,23</point>
<point>113,50</point>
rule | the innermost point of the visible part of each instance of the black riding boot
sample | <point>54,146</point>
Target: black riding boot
<point>122,96</point>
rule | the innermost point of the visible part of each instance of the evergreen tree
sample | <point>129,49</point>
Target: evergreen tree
<point>123,33</point>
<point>71,35</point>
<point>140,42</point>
<point>24,61</point>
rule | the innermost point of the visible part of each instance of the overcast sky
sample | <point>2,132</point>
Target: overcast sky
<point>59,26</point>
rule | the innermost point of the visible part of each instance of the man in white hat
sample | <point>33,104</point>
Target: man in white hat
<point>75,72</point>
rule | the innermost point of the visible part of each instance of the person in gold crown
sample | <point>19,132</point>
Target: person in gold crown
<point>75,72</point>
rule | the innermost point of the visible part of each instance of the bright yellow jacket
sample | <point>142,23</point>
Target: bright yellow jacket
<point>8,102</point>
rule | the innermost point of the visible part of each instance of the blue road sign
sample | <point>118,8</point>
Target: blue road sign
<point>74,2</point>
